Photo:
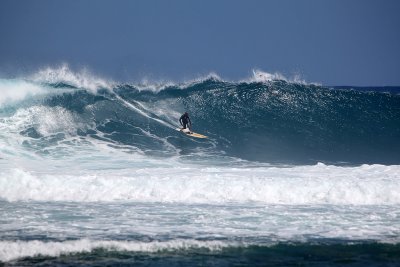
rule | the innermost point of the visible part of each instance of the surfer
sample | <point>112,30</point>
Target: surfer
<point>185,121</point>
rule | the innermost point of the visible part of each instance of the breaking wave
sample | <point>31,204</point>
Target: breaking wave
<point>265,119</point>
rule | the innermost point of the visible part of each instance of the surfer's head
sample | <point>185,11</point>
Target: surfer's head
<point>186,113</point>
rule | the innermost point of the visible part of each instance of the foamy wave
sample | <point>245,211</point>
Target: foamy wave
<point>320,184</point>
<point>46,120</point>
<point>63,74</point>
<point>17,90</point>
<point>12,250</point>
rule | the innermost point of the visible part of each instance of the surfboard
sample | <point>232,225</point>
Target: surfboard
<point>189,133</point>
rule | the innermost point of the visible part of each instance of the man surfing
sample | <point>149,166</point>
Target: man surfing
<point>185,122</point>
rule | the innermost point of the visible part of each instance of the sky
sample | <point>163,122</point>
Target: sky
<point>332,42</point>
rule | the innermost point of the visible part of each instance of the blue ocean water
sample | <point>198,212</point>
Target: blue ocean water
<point>93,173</point>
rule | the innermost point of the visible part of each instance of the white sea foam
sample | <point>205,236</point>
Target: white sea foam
<point>11,250</point>
<point>319,184</point>
<point>46,120</point>
<point>17,90</point>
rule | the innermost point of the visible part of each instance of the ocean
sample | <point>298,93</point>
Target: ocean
<point>93,173</point>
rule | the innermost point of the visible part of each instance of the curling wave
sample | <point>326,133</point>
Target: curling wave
<point>263,119</point>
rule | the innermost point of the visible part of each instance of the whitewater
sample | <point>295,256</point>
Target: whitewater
<point>93,172</point>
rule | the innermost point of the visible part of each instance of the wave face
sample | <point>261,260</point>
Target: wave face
<point>272,121</point>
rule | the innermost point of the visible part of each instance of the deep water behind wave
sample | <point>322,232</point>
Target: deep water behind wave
<point>274,121</point>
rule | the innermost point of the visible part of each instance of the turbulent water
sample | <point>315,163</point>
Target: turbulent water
<point>94,173</point>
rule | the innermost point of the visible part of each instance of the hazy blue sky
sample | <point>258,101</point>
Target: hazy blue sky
<point>352,42</point>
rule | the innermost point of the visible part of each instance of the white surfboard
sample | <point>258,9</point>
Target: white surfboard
<point>189,133</point>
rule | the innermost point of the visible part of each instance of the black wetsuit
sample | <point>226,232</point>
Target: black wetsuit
<point>185,120</point>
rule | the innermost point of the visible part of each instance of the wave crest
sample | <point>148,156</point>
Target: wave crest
<point>63,74</point>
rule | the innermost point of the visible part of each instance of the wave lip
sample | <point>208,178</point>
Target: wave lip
<point>63,74</point>
<point>262,76</point>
